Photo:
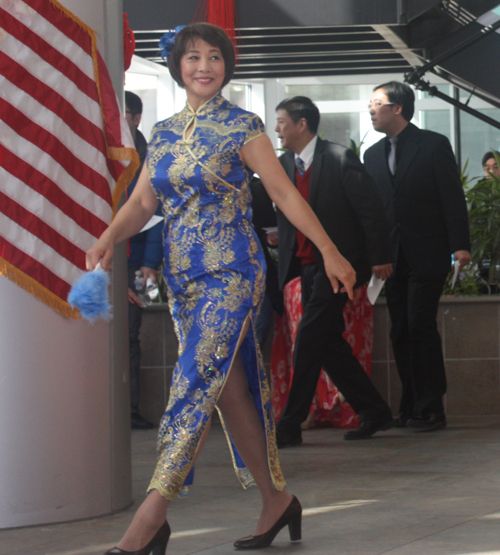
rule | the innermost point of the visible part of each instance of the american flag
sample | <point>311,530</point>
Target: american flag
<point>66,154</point>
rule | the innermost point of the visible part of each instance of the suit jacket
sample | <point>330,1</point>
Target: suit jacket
<point>424,201</point>
<point>349,207</point>
<point>264,215</point>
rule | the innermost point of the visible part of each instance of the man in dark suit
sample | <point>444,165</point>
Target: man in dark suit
<point>417,175</point>
<point>332,179</point>
<point>264,216</point>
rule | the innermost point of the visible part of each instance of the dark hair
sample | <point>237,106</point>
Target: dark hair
<point>488,155</point>
<point>402,95</point>
<point>299,107</point>
<point>213,35</point>
<point>133,103</point>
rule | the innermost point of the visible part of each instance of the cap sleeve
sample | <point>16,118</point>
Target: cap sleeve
<point>255,127</point>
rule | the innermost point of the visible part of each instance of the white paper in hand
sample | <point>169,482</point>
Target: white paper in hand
<point>153,221</point>
<point>374,288</point>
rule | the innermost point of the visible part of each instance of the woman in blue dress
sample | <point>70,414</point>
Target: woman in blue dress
<point>199,165</point>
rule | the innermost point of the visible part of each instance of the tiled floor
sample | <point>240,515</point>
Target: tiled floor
<point>399,493</point>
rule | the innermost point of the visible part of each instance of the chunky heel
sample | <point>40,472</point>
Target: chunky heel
<point>295,527</point>
<point>292,518</point>
<point>157,546</point>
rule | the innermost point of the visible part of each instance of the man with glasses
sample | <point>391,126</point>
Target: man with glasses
<point>417,175</point>
<point>490,164</point>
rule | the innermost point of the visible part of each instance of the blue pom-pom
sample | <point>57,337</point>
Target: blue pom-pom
<point>90,295</point>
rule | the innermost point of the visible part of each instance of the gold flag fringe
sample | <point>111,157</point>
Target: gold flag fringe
<point>37,290</point>
<point>128,173</point>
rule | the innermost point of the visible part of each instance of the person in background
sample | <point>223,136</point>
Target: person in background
<point>145,255</point>
<point>264,217</point>
<point>490,165</point>
<point>344,198</point>
<point>418,177</point>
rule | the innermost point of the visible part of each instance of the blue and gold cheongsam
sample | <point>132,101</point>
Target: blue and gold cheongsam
<point>215,271</point>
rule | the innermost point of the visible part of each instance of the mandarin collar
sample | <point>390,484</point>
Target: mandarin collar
<point>207,107</point>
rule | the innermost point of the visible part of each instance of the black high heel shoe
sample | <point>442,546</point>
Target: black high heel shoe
<point>157,546</point>
<point>292,516</point>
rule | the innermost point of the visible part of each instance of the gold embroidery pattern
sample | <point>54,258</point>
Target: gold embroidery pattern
<point>215,276</point>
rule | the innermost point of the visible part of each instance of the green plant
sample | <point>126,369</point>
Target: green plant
<point>483,200</point>
<point>357,148</point>
<point>467,282</point>
<point>464,177</point>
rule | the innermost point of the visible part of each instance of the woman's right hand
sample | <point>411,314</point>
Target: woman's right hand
<point>337,269</point>
<point>102,252</point>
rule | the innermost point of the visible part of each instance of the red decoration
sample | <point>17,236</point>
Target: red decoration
<point>328,408</point>
<point>128,43</point>
<point>221,13</point>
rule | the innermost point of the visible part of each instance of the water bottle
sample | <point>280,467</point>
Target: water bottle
<point>138,281</point>
<point>140,288</point>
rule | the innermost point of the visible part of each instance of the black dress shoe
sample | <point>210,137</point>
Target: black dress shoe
<point>288,439</point>
<point>370,426</point>
<point>291,517</point>
<point>402,420</point>
<point>137,422</point>
<point>428,422</point>
<point>157,546</point>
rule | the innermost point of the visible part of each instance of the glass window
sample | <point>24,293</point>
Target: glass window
<point>325,92</point>
<point>340,128</point>
<point>478,138</point>
<point>436,120</point>
<point>238,94</point>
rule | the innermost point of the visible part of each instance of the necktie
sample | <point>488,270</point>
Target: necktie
<point>391,161</point>
<point>300,166</point>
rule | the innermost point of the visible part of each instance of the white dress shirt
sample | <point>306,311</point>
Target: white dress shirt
<point>307,153</point>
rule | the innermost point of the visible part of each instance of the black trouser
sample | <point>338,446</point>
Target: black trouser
<point>320,344</point>
<point>134,327</point>
<point>413,304</point>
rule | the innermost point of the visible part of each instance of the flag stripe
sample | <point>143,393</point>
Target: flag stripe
<point>45,205</point>
<point>115,133</point>
<point>17,77</point>
<point>45,141</point>
<point>54,77</point>
<point>82,149</point>
<point>21,172</point>
<point>39,250</point>
<point>30,266</point>
<point>44,165</point>
<point>49,54</point>
<point>37,227</point>
<point>73,29</point>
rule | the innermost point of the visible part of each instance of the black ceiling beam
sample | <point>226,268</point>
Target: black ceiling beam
<point>476,7</point>
<point>167,14</point>
<point>319,73</point>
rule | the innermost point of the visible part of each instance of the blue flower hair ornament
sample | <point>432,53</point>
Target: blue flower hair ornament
<point>167,41</point>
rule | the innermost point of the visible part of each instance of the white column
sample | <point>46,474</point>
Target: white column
<point>64,392</point>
